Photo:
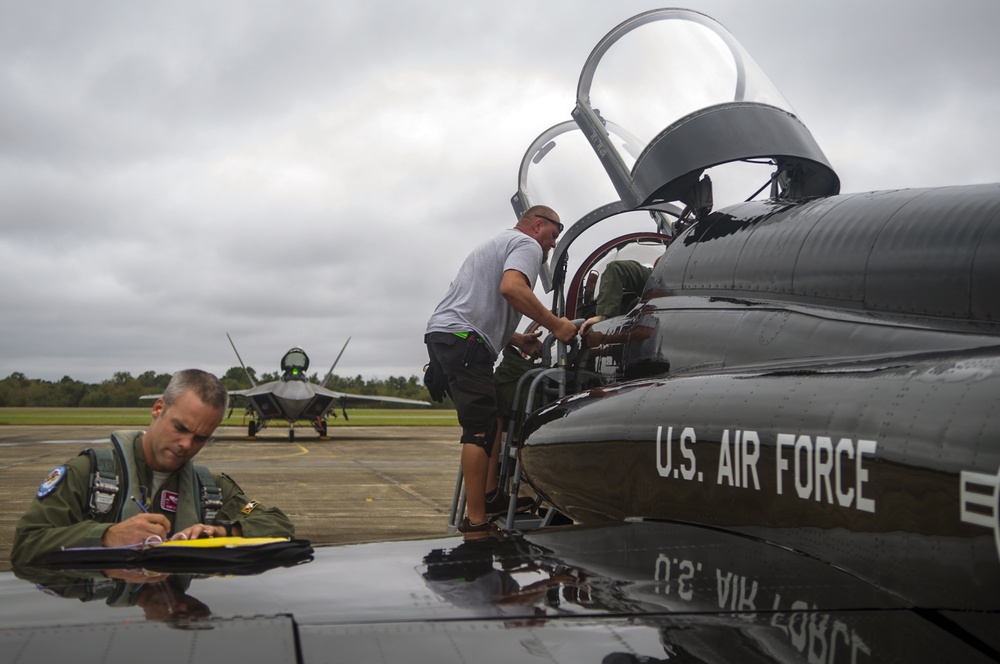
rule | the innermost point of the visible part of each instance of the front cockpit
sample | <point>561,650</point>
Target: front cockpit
<point>294,365</point>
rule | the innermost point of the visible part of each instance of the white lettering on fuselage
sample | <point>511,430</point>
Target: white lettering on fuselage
<point>820,469</point>
<point>739,463</point>
<point>688,470</point>
<point>812,468</point>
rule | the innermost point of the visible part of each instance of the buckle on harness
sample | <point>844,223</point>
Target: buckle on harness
<point>103,492</point>
<point>211,503</point>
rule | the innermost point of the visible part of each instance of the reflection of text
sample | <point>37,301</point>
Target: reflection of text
<point>818,635</point>
<point>815,468</point>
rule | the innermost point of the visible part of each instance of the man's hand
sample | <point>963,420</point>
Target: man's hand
<point>198,531</point>
<point>589,323</point>
<point>134,575</point>
<point>136,530</point>
<point>564,330</point>
<point>529,344</point>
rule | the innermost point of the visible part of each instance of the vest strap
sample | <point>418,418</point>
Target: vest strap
<point>211,495</point>
<point>103,482</point>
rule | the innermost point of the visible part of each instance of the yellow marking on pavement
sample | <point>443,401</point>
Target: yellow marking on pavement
<point>285,456</point>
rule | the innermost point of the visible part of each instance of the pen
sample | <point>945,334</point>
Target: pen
<point>141,506</point>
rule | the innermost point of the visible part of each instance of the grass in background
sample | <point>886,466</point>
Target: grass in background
<point>139,417</point>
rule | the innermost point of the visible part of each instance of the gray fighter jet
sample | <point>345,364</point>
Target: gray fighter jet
<point>293,397</point>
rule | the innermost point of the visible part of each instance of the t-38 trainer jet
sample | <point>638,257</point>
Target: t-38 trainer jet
<point>786,451</point>
<point>293,397</point>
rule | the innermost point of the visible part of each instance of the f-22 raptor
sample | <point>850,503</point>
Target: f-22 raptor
<point>293,397</point>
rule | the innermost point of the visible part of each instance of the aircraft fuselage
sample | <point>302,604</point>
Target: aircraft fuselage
<point>810,373</point>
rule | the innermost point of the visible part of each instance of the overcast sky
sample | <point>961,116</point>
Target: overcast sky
<point>295,173</point>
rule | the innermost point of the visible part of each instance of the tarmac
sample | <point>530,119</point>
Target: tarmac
<point>364,484</point>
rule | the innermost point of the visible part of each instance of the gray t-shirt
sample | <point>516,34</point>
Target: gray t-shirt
<point>473,301</point>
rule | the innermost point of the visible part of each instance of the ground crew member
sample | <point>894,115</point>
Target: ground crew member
<point>474,322</point>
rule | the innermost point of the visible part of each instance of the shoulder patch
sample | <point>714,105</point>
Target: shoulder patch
<point>249,507</point>
<point>51,481</point>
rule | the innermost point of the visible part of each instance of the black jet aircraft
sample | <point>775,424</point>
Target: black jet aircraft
<point>787,451</point>
<point>293,397</point>
<point>817,370</point>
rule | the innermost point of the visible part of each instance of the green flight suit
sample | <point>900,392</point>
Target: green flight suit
<point>60,518</point>
<point>622,284</point>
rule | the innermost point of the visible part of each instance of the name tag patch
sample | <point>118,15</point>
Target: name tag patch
<point>249,507</point>
<point>168,501</point>
<point>51,481</point>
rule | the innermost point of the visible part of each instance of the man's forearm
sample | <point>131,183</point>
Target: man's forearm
<point>515,290</point>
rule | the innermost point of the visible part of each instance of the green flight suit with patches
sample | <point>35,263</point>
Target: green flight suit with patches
<point>59,515</point>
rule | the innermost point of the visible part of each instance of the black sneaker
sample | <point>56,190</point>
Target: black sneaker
<point>500,501</point>
<point>467,526</point>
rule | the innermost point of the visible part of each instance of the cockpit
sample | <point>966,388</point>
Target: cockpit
<point>673,120</point>
<point>294,365</point>
<point>672,117</point>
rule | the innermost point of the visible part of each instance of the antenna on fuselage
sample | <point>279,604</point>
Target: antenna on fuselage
<point>249,377</point>
<point>330,372</point>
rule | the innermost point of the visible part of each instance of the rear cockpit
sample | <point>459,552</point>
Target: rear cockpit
<point>294,365</point>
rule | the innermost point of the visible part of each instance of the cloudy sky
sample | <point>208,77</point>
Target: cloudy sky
<point>298,172</point>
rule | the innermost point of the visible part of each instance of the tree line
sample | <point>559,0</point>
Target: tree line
<point>123,389</point>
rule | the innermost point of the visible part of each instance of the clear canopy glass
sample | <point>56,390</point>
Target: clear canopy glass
<point>660,67</point>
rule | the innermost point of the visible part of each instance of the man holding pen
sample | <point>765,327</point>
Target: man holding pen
<point>149,489</point>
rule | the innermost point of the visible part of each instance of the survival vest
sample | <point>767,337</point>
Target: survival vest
<point>114,471</point>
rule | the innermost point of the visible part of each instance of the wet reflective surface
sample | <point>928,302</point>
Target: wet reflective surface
<point>629,592</point>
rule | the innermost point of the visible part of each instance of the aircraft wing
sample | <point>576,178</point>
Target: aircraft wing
<point>625,593</point>
<point>346,399</point>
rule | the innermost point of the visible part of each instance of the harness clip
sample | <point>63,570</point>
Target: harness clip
<point>211,503</point>
<point>103,492</point>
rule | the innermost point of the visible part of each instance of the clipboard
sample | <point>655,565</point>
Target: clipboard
<point>210,555</point>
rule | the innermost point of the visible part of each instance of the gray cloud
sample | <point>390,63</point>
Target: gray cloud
<point>297,173</point>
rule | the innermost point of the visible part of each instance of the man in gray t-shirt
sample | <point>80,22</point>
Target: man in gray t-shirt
<point>477,318</point>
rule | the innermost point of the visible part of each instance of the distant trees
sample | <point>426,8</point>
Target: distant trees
<point>123,390</point>
<point>236,379</point>
<point>19,390</point>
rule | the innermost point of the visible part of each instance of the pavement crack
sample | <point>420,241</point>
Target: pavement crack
<point>405,489</point>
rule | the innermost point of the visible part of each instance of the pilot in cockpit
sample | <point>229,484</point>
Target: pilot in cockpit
<point>294,365</point>
<point>622,284</point>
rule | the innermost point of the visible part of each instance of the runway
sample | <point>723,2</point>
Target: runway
<point>365,484</point>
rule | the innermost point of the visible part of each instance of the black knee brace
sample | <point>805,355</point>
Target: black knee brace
<point>485,440</point>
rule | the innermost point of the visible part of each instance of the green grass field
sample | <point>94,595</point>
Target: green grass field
<point>139,417</point>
